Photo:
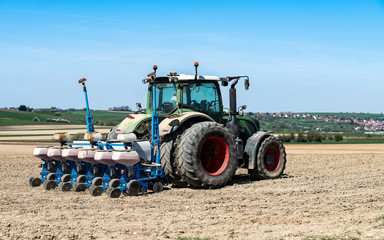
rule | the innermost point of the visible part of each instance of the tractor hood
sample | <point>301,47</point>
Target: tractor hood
<point>134,123</point>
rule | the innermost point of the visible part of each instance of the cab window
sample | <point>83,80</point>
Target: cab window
<point>166,98</point>
<point>202,97</point>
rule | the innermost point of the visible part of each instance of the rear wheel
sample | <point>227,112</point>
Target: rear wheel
<point>97,181</point>
<point>81,178</point>
<point>157,187</point>
<point>167,156</point>
<point>49,185</point>
<point>65,186</point>
<point>30,181</point>
<point>51,176</point>
<point>114,183</point>
<point>207,155</point>
<point>65,178</point>
<point>95,190</point>
<point>133,188</point>
<point>271,159</point>
<point>113,192</point>
<point>34,182</point>
<point>79,187</point>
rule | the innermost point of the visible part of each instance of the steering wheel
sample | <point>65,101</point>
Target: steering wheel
<point>168,106</point>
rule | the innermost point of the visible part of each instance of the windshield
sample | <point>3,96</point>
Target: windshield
<point>166,98</point>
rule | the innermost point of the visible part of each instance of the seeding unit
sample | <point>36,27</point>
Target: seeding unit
<point>124,165</point>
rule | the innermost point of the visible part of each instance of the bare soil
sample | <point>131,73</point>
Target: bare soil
<point>328,190</point>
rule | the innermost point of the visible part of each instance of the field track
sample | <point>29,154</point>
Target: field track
<point>328,190</point>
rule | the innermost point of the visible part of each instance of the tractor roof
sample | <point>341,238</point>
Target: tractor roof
<point>185,77</point>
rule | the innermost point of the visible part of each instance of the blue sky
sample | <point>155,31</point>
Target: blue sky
<point>300,55</point>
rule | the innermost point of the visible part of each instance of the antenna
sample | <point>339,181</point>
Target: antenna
<point>196,64</point>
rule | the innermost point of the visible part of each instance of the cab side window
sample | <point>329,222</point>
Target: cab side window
<point>202,97</point>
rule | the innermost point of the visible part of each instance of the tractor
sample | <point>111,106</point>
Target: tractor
<point>202,144</point>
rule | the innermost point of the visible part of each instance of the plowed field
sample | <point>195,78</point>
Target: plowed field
<point>334,191</point>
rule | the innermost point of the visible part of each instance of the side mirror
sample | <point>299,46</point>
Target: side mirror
<point>246,84</point>
<point>179,105</point>
<point>138,106</point>
<point>241,110</point>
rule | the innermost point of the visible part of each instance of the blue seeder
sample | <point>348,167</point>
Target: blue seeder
<point>64,166</point>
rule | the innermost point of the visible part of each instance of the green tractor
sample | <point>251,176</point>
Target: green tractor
<point>202,145</point>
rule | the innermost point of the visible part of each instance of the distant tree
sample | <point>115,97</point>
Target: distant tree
<point>311,135</point>
<point>296,128</point>
<point>330,137</point>
<point>99,122</point>
<point>324,136</point>
<point>285,137</point>
<point>318,137</point>
<point>121,108</point>
<point>338,137</point>
<point>301,137</point>
<point>277,128</point>
<point>23,108</point>
<point>110,123</point>
<point>292,135</point>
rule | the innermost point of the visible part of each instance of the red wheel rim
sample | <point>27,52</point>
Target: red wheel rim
<point>272,158</point>
<point>214,156</point>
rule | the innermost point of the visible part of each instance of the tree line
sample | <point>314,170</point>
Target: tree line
<point>310,136</point>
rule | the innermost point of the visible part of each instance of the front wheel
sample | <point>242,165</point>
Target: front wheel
<point>271,159</point>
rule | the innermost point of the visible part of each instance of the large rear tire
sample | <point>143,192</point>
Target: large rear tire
<point>271,159</point>
<point>207,155</point>
<point>167,156</point>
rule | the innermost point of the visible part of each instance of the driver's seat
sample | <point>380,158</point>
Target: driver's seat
<point>168,107</point>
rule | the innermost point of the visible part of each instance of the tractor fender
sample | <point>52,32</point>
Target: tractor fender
<point>173,122</point>
<point>252,147</point>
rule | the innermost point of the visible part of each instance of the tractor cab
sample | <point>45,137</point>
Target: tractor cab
<point>185,94</point>
<point>187,99</point>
